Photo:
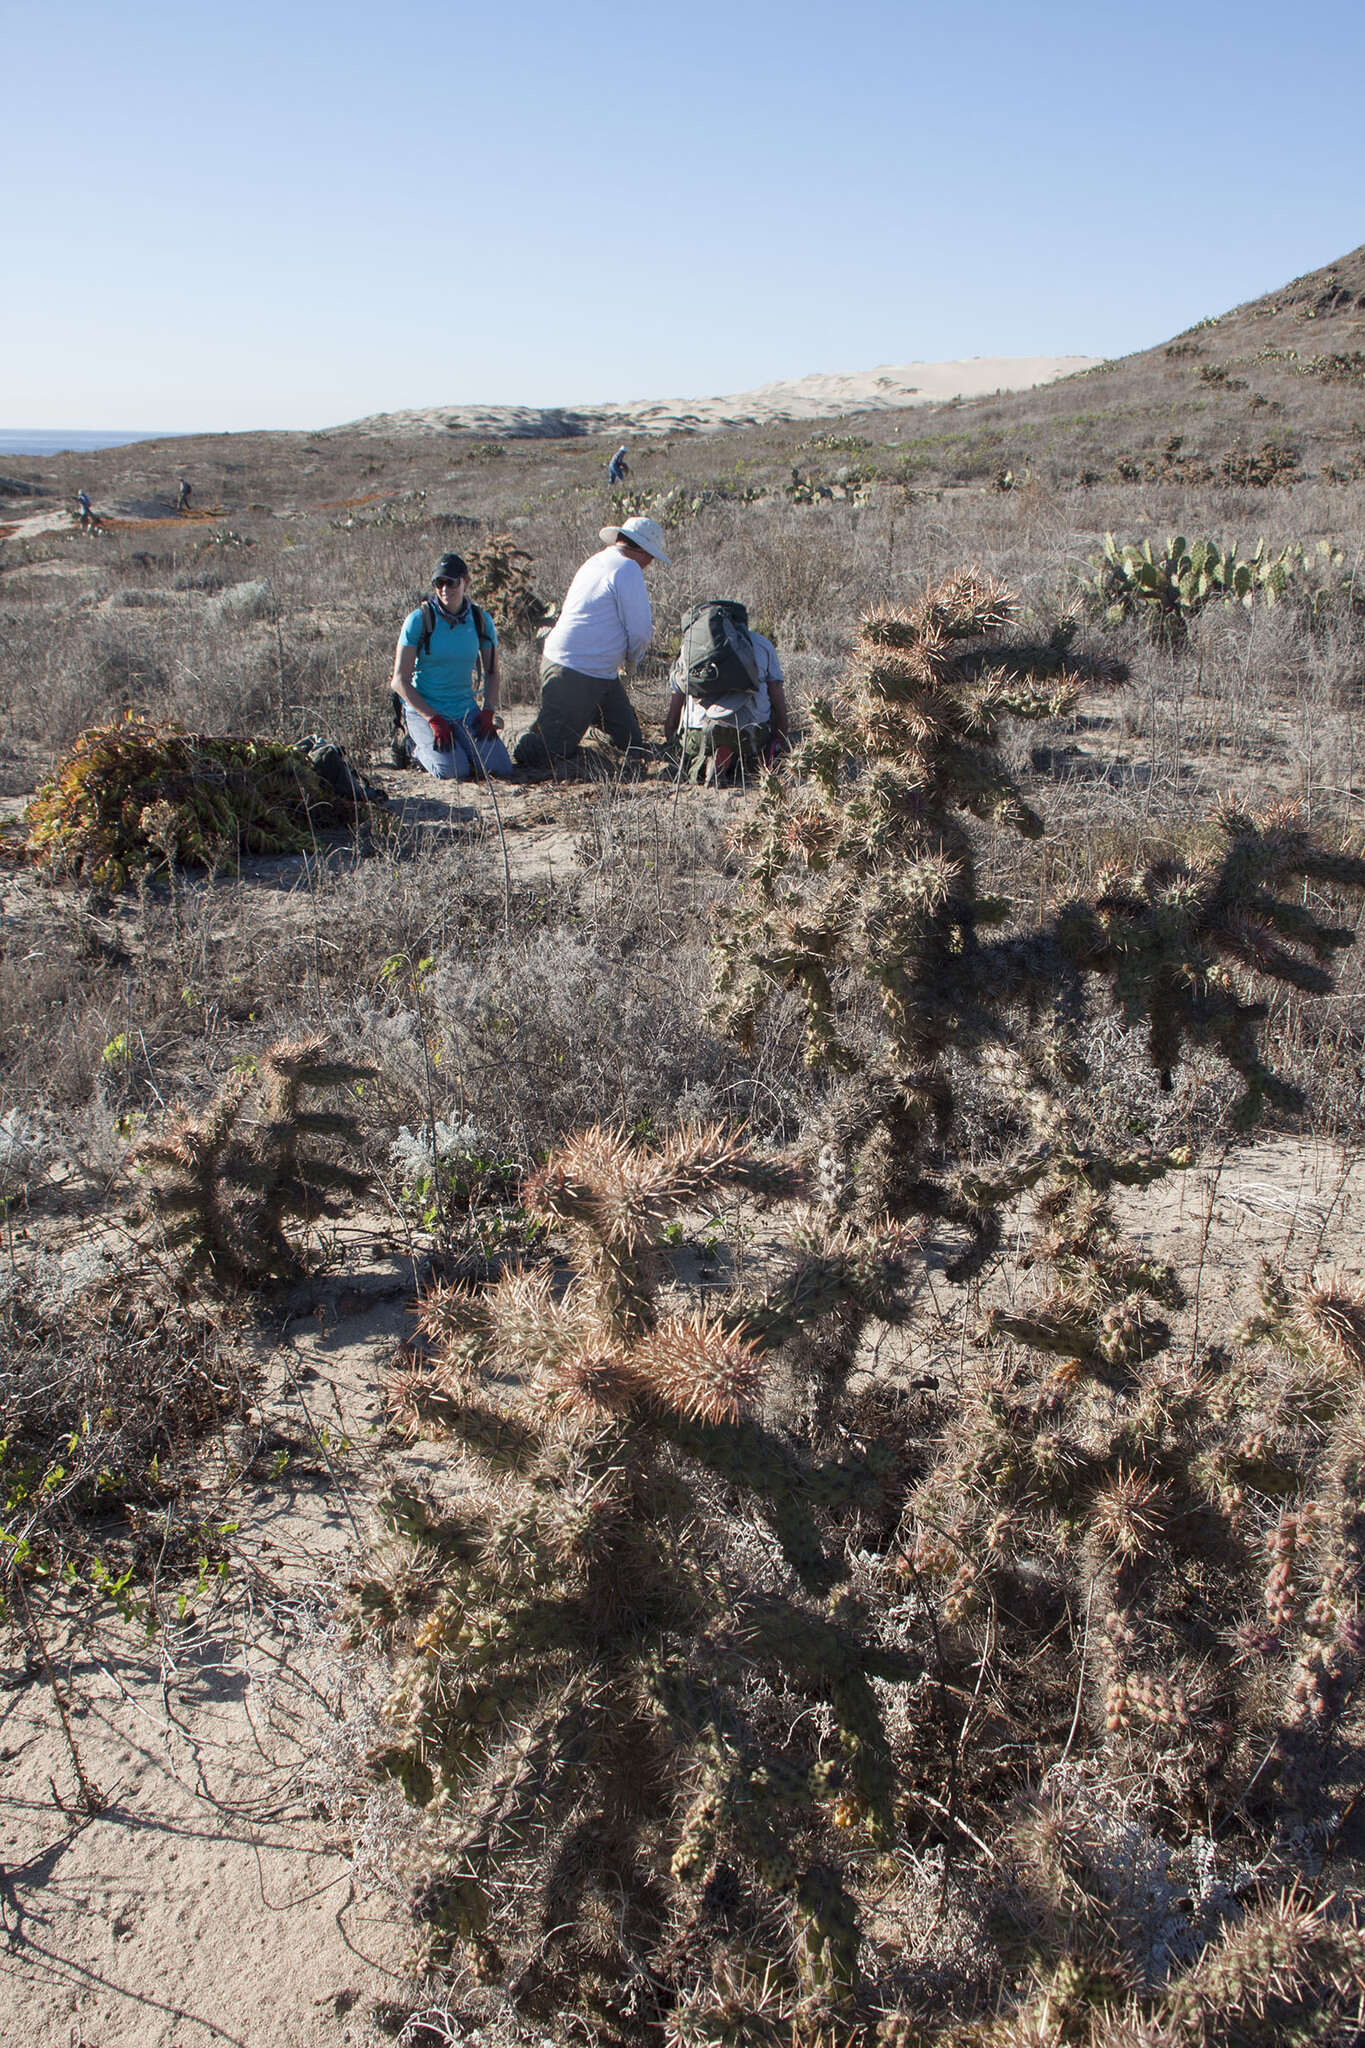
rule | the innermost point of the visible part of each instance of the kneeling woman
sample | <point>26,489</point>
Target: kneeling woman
<point>445,645</point>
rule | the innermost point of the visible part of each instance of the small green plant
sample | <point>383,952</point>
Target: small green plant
<point>105,1396</point>
<point>454,1185</point>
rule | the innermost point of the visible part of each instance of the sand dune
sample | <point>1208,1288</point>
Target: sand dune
<point>803,398</point>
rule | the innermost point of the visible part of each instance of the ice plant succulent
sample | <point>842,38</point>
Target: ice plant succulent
<point>137,796</point>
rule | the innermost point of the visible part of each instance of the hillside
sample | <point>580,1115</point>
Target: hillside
<point>1264,392</point>
<point>1272,388</point>
<point>888,388</point>
<point>1113,1549</point>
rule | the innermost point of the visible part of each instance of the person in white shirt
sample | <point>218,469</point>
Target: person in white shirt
<point>605,622</point>
<point>743,730</point>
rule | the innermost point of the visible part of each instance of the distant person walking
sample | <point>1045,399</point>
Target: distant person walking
<point>444,646</point>
<point>606,621</point>
<point>84,510</point>
<point>618,469</point>
<point>182,503</point>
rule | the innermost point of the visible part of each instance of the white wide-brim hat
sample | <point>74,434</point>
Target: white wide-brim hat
<point>641,533</point>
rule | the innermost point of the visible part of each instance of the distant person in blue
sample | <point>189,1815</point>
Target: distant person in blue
<point>182,503</point>
<point>445,646</point>
<point>618,468</point>
<point>83,509</point>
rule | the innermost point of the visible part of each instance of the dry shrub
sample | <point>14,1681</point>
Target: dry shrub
<point>560,1031</point>
<point>109,1388</point>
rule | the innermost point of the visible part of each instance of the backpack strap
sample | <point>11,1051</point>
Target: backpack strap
<point>483,627</point>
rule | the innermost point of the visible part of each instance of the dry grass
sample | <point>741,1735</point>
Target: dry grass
<point>522,1004</point>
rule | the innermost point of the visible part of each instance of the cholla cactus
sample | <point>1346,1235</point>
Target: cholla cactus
<point>863,876</point>
<point>226,1183</point>
<point>863,871</point>
<point>862,859</point>
<point>598,1666</point>
<point>1291,1964</point>
<point>650,1648</point>
<point>1154,1561</point>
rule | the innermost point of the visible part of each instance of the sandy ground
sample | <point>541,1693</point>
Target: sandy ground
<point>215,1899</point>
<point>819,396</point>
<point>210,1898</point>
<point>211,1902</point>
<point>34,523</point>
<point>30,524</point>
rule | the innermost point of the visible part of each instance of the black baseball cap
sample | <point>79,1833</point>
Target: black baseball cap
<point>450,569</point>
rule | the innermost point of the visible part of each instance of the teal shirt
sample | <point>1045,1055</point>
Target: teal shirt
<point>446,673</point>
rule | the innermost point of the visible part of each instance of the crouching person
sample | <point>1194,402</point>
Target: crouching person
<point>728,695</point>
<point>446,646</point>
<point>606,624</point>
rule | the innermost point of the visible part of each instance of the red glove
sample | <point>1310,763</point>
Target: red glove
<point>776,745</point>
<point>442,731</point>
<point>483,724</point>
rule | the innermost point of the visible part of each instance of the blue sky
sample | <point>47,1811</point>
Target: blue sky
<point>239,215</point>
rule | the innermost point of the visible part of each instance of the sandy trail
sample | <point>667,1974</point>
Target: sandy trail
<point>34,523</point>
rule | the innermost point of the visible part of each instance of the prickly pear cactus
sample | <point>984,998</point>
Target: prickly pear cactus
<point>1166,584</point>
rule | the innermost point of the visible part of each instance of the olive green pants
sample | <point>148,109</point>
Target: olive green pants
<point>569,703</point>
<point>700,742</point>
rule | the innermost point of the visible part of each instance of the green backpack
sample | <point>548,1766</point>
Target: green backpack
<point>718,655</point>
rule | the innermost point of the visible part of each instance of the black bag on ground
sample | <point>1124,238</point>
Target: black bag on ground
<point>717,653</point>
<point>329,763</point>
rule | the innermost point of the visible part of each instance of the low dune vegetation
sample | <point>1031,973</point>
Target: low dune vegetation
<point>833,1516</point>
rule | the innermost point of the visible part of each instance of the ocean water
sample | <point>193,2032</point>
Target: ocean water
<point>56,440</point>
